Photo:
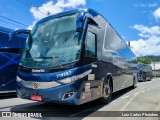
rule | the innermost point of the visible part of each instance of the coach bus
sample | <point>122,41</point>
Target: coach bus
<point>74,57</point>
<point>10,52</point>
<point>144,72</point>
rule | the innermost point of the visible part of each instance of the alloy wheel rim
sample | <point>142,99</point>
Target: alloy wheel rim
<point>107,91</point>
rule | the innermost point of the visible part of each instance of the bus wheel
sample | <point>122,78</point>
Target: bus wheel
<point>144,79</point>
<point>107,91</point>
<point>134,83</point>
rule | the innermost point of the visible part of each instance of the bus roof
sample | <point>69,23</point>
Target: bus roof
<point>61,14</point>
<point>5,30</point>
<point>8,30</point>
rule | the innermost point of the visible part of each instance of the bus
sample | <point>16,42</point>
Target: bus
<point>144,72</point>
<point>10,52</point>
<point>74,57</point>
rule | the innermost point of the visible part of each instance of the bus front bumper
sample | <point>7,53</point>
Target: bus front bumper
<point>63,94</point>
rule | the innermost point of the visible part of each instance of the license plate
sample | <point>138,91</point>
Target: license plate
<point>36,97</point>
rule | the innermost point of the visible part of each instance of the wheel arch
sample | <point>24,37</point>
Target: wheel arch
<point>135,78</point>
<point>109,75</point>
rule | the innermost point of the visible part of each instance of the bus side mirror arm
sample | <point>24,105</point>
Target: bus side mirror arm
<point>13,33</point>
<point>88,19</point>
<point>92,21</point>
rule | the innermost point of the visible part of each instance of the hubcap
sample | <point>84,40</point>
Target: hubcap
<point>107,90</point>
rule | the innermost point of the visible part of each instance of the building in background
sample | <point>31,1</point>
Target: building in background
<point>156,68</point>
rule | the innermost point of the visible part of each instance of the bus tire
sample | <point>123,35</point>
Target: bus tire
<point>107,91</point>
<point>134,83</point>
<point>144,79</point>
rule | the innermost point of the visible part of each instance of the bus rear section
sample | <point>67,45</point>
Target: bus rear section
<point>66,60</point>
<point>10,52</point>
<point>144,72</point>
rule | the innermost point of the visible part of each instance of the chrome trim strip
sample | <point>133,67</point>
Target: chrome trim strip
<point>80,75</point>
<point>12,91</point>
<point>45,85</point>
<point>40,85</point>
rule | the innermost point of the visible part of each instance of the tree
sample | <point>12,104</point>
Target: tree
<point>144,60</point>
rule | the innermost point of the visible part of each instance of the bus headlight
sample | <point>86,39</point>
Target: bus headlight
<point>68,80</point>
<point>18,79</point>
<point>74,78</point>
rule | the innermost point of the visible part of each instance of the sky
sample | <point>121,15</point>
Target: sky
<point>137,21</point>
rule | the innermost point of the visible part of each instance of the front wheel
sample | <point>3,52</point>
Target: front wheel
<point>144,79</point>
<point>134,83</point>
<point>107,91</point>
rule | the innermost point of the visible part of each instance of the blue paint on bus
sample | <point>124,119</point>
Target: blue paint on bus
<point>144,72</point>
<point>10,53</point>
<point>75,57</point>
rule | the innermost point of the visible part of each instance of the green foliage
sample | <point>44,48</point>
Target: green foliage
<point>148,59</point>
<point>144,60</point>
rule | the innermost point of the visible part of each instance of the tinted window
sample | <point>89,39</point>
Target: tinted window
<point>11,50</point>
<point>112,40</point>
<point>54,38</point>
<point>115,43</point>
<point>90,45</point>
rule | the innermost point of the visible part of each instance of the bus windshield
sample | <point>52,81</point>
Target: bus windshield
<point>52,43</point>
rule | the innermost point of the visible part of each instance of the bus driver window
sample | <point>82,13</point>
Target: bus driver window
<point>90,45</point>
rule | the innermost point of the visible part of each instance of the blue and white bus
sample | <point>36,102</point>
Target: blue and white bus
<point>74,57</point>
<point>144,72</point>
<point>10,52</point>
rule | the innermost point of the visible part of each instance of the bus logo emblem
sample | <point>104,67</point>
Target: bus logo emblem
<point>38,70</point>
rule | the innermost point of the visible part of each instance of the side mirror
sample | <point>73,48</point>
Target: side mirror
<point>92,21</point>
<point>83,19</point>
<point>13,33</point>
<point>80,27</point>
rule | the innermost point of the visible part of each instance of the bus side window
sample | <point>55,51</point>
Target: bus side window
<point>90,45</point>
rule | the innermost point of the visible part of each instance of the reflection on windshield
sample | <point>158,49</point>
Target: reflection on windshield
<point>56,38</point>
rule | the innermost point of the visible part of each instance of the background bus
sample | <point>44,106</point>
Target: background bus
<point>10,52</point>
<point>144,72</point>
<point>75,57</point>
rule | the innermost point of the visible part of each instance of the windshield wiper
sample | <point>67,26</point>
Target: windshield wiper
<point>53,58</point>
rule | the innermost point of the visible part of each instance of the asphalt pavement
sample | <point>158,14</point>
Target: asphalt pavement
<point>131,104</point>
